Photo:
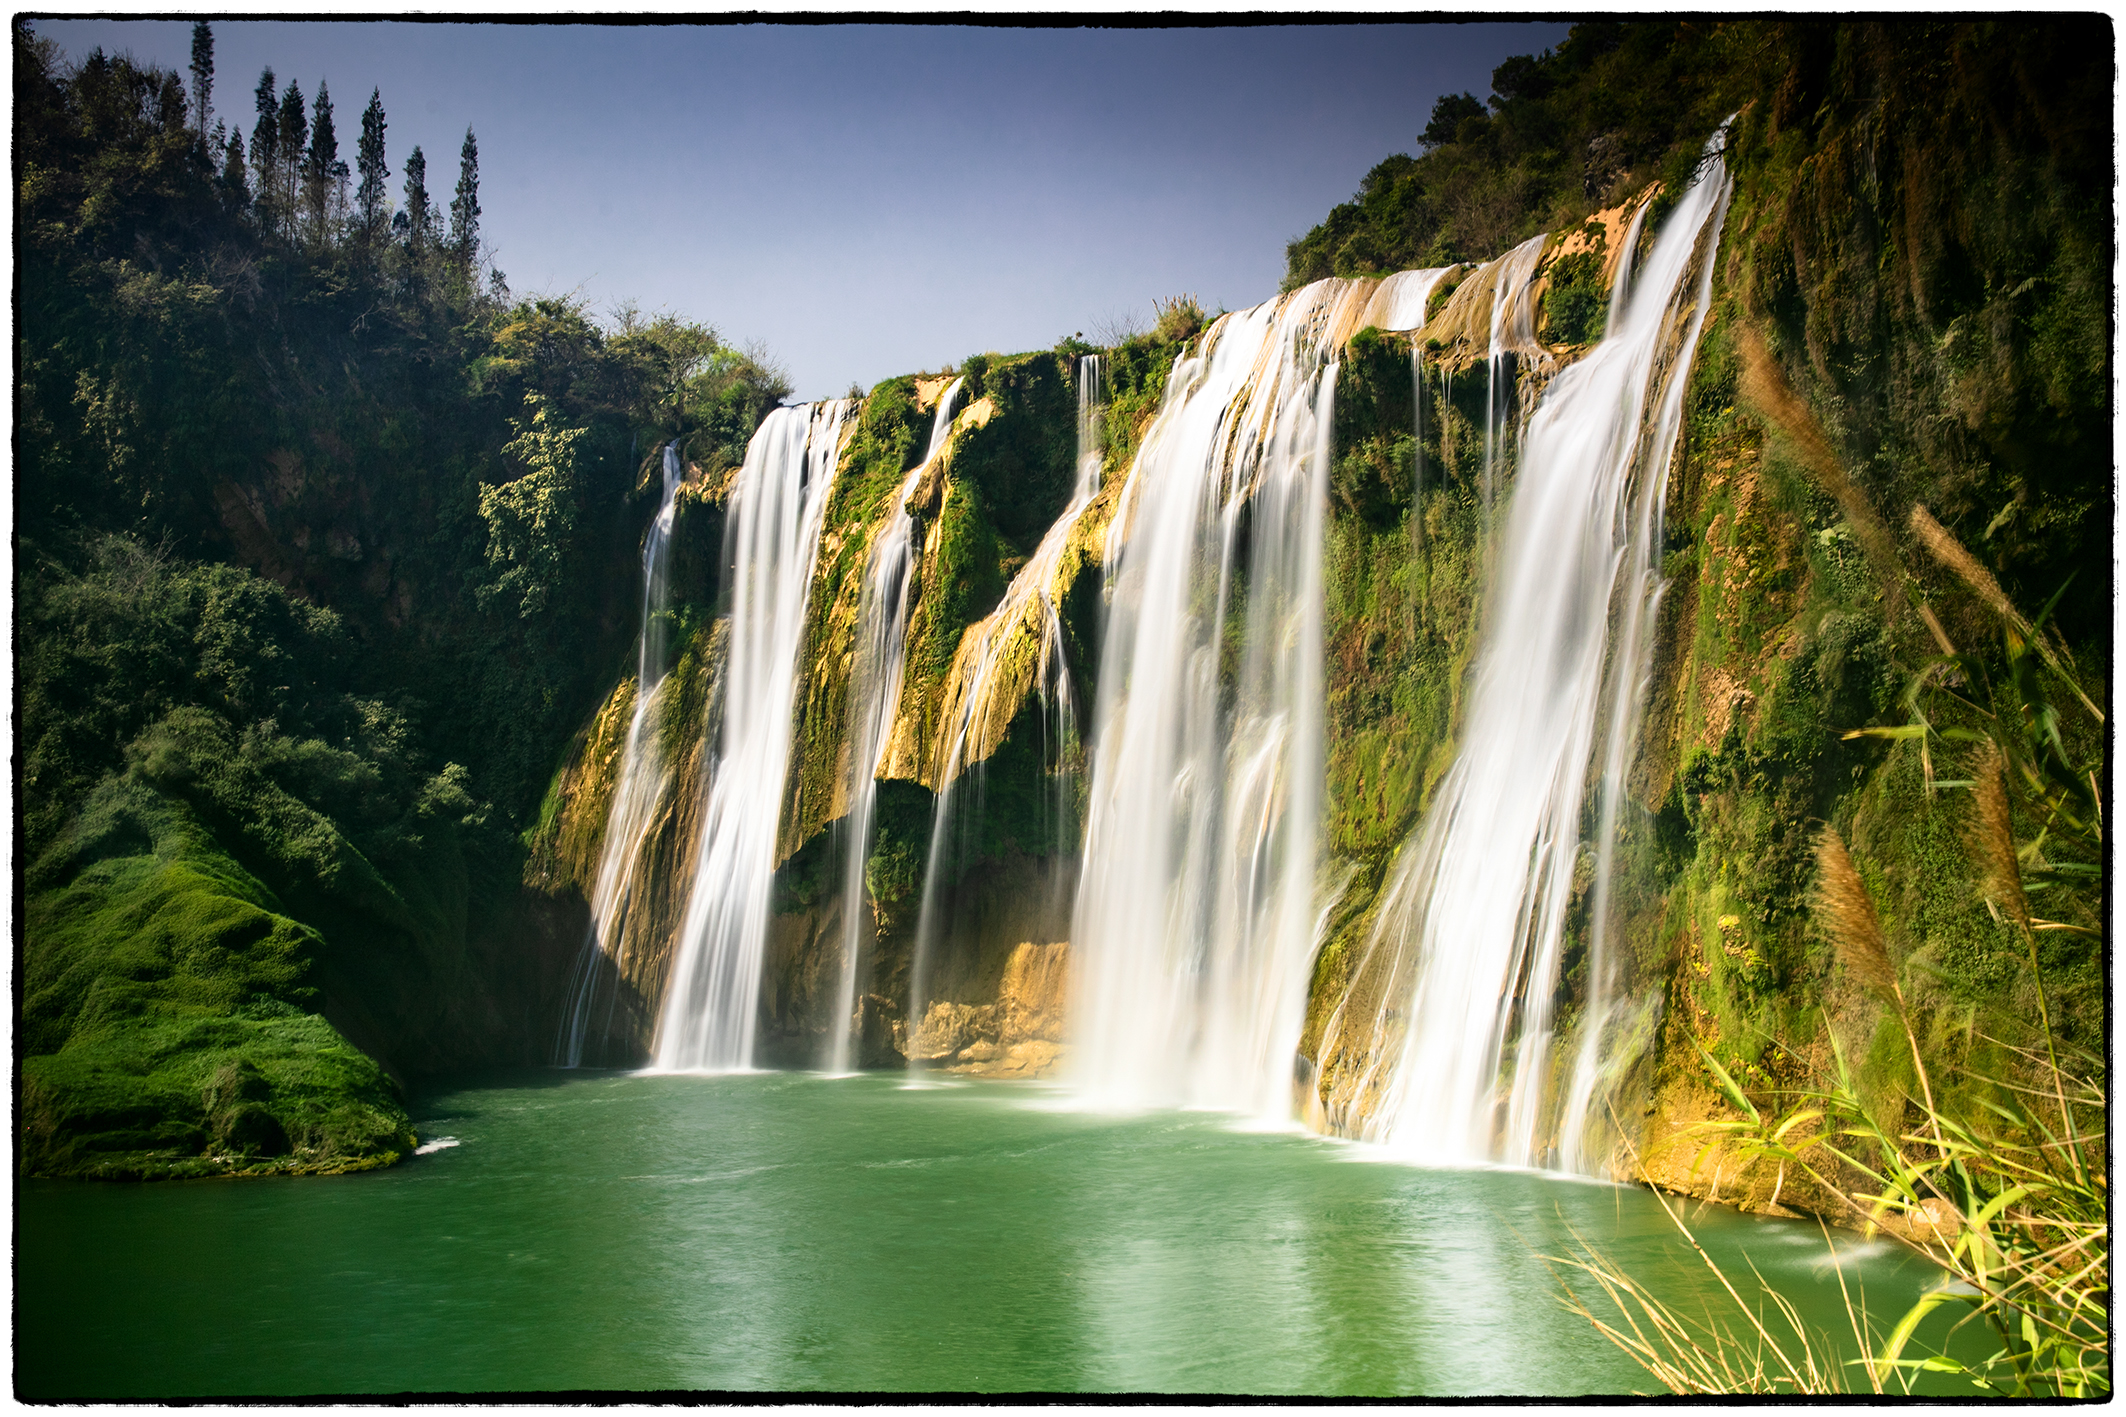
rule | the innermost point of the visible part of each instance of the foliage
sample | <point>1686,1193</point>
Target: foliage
<point>2004,1200</point>
<point>1923,233</point>
<point>1997,1177</point>
<point>1566,133</point>
<point>532,519</point>
<point>1175,319</point>
<point>1577,303</point>
<point>282,559</point>
<point>1024,460</point>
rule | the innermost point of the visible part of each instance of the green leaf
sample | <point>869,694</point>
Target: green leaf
<point>1906,730</point>
<point>1728,1085</point>
<point>1909,1324</point>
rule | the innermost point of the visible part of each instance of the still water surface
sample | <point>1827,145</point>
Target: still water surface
<point>788,1231</point>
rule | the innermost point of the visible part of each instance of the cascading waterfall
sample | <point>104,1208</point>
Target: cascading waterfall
<point>1195,919</point>
<point>1604,1026</point>
<point>637,793</point>
<point>1405,296</point>
<point>976,692</point>
<point>772,538</point>
<point>1620,291</point>
<point>1465,954</point>
<point>1512,336</point>
<point>874,696</point>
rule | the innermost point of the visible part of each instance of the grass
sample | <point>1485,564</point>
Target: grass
<point>2000,1181</point>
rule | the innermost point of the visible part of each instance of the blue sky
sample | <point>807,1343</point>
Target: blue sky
<point>866,200</point>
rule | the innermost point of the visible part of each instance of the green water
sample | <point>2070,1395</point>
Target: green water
<point>787,1231</point>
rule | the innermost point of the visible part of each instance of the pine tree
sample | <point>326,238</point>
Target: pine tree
<point>465,207</point>
<point>294,137</point>
<point>418,219</point>
<point>321,168</point>
<point>202,73</point>
<point>235,190</point>
<point>369,161</point>
<point>265,151</point>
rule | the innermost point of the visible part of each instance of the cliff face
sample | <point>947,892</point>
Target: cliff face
<point>325,547</point>
<point>1874,340</point>
<point>284,832</point>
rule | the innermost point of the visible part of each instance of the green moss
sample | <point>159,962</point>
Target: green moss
<point>168,1018</point>
<point>1577,303</point>
<point>962,584</point>
<point>1024,459</point>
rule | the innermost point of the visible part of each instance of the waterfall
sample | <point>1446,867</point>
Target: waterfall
<point>1464,957</point>
<point>638,792</point>
<point>772,537</point>
<point>1399,303</point>
<point>988,679</point>
<point>1195,920</point>
<point>874,698</point>
<point>1402,299</point>
<point>1512,335</point>
<point>1620,291</point>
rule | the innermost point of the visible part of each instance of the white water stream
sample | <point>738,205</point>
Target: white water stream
<point>1400,305</point>
<point>976,688</point>
<point>772,535</point>
<point>1512,337</point>
<point>1471,928</point>
<point>1196,917</point>
<point>637,793</point>
<point>874,697</point>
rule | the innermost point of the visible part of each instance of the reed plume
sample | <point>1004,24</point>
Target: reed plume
<point>1951,553</point>
<point>1993,838</point>
<point>1764,387</point>
<point>1848,916</point>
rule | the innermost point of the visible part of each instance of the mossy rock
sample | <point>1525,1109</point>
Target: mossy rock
<point>167,1025</point>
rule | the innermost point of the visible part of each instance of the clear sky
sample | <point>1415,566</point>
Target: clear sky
<point>868,200</point>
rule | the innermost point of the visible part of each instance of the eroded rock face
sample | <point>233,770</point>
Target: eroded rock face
<point>1019,1034</point>
<point>950,1030</point>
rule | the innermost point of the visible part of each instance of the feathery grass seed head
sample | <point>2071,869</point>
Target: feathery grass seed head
<point>1993,837</point>
<point>1848,916</point>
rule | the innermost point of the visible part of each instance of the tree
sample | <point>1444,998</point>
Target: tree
<point>294,136</point>
<point>265,149</point>
<point>1448,114</point>
<point>465,206</point>
<point>1523,76</point>
<point>531,521</point>
<point>417,220</point>
<point>369,161</point>
<point>323,172</point>
<point>235,190</point>
<point>202,73</point>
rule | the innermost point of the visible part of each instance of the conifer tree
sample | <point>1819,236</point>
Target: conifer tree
<point>369,161</point>
<point>202,73</point>
<point>294,137</point>
<point>465,207</point>
<point>265,150</point>
<point>417,220</point>
<point>322,169</point>
<point>236,191</point>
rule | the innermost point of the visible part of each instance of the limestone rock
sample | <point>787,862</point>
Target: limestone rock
<point>949,1028</point>
<point>1034,993</point>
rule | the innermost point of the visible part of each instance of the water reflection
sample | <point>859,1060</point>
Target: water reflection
<point>791,1232</point>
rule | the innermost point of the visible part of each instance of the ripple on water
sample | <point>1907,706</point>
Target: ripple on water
<point>769,1233</point>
